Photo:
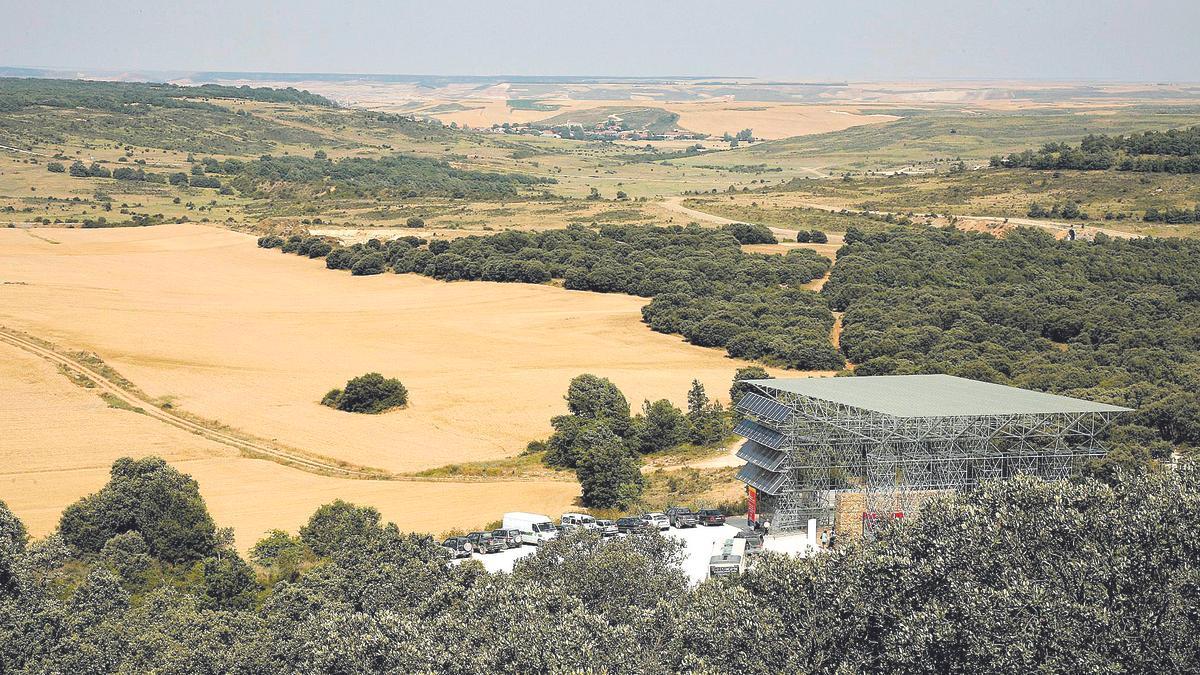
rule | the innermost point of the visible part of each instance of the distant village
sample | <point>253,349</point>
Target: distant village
<point>611,129</point>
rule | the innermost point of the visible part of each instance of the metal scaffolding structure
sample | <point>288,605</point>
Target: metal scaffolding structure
<point>902,439</point>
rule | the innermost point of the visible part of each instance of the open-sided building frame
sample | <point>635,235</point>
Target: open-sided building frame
<point>900,439</point>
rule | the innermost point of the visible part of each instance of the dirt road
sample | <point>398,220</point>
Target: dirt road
<point>676,204</point>
<point>104,382</point>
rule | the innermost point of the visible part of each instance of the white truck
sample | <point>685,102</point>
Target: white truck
<point>728,557</point>
<point>535,528</point>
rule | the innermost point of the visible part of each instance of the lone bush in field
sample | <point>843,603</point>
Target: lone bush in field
<point>371,393</point>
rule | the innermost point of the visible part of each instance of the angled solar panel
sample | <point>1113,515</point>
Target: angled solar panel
<point>764,408</point>
<point>762,480</point>
<point>760,434</point>
<point>761,455</point>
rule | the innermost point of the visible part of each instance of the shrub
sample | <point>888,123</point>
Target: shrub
<point>747,233</point>
<point>415,222</point>
<point>371,393</point>
<point>55,167</point>
<point>372,263</point>
<point>818,237</point>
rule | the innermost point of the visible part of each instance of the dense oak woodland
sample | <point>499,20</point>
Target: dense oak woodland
<point>1019,576</point>
<point>1171,151</point>
<point>1111,320</point>
<point>126,97</point>
<point>702,284</point>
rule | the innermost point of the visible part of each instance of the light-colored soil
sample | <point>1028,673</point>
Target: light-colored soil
<point>60,439</point>
<point>252,338</point>
<point>768,120</point>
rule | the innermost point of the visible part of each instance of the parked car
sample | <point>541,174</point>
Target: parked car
<point>681,516</point>
<point>607,528</point>
<point>460,547</point>
<point>710,517</point>
<point>535,528</point>
<point>754,541</point>
<point>484,542</point>
<point>510,538</point>
<point>570,521</point>
<point>658,520</point>
<point>631,525</point>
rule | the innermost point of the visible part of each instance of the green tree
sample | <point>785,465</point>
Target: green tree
<point>597,398</point>
<point>371,393</point>
<point>338,526</point>
<point>55,167</point>
<point>13,538</point>
<point>372,263</point>
<point>149,497</point>
<point>660,426</point>
<point>739,387</point>
<point>609,476</point>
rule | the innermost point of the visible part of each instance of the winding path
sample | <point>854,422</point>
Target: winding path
<point>107,385</point>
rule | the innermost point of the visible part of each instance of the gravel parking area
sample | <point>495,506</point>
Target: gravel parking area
<point>699,541</point>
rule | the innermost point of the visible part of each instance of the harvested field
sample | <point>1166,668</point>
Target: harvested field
<point>60,439</point>
<point>202,318</point>
<point>770,120</point>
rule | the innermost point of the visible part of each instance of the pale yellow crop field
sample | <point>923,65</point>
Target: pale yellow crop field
<point>251,338</point>
<point>769,120</point>
<point>59,440</point>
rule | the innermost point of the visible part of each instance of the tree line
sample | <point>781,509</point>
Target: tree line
<point>1112,320</point>
<point>1171,151</point>
<point>1016,576</point>
<point>17,93</point>
<point>701,284</point>
<point>399,175</point>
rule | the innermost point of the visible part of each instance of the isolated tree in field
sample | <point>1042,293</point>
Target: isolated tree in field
<point>608,474</point>
<point>371,393</point>
<point>55,167</point>
<point>414,222</point>
<point>594,194</point>
<point>803,236</point>
<point>660,426</point>
<point>818,237</point>
<point>150,497</point>
<point>597,398</point>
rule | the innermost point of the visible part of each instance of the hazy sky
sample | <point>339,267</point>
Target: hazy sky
<point>1146,40</point>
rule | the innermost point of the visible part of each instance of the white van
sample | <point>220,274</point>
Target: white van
<point>571,521</point>
<point>535,528</point>
<point>728,557</point>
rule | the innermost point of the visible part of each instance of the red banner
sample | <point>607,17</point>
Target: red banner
<point>751,504</point>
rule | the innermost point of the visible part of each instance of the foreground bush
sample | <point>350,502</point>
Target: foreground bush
<point>370,393</point>
<point>1018,576</point>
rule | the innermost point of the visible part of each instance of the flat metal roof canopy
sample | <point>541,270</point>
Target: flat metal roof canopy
<point>931,396</point>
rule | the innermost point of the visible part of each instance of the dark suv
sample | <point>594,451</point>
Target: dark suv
<point>484,542</point>
<point>510,538</point>
<point>710,517</point>
<point>681,516</point>
<point>459,547</point>
<point>634,526</point>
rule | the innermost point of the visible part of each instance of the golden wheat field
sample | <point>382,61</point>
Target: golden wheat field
<point>200,317</point>
<point>59,440</point>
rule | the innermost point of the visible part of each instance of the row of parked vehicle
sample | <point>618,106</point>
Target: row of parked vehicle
<point>518,529</point>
